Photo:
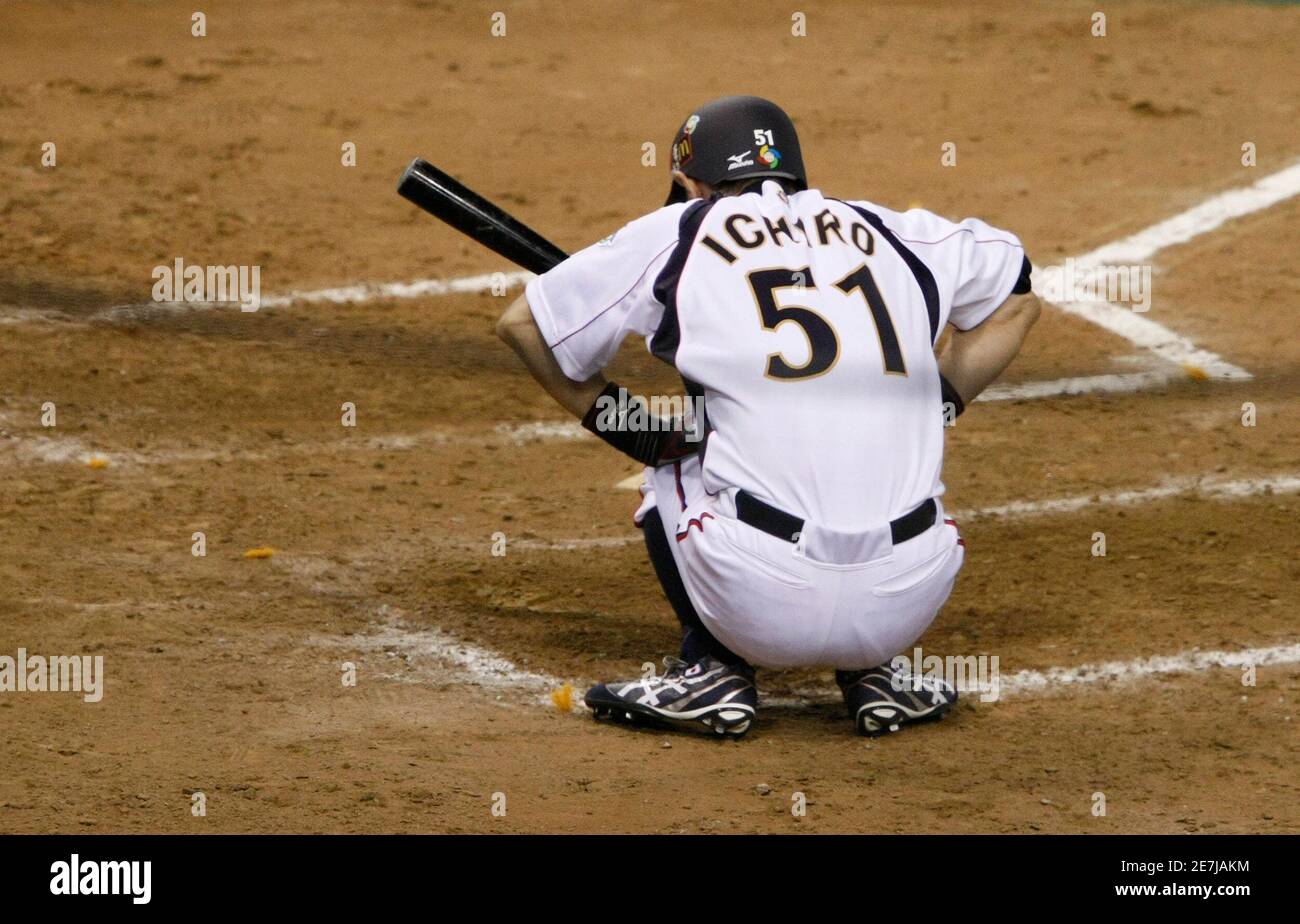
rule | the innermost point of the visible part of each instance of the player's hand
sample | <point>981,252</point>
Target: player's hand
<point>676,444</point>
<point>653,441</point>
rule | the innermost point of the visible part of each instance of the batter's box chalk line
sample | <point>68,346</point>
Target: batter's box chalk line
<point>428,655</point>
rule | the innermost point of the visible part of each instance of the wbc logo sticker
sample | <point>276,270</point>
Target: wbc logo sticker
<point>769,156</point>
<point>682,151</point>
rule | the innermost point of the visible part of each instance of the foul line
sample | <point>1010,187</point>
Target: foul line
<point>1141,247</point>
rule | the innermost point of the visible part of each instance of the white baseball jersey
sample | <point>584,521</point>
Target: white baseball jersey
<point>808,325</point>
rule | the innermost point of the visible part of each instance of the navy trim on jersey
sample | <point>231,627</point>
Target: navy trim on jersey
<point>924,278</point>
<point>1024,283</point>
<point>668,336</point>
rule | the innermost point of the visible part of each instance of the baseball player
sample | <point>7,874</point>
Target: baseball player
<point>804,526</point>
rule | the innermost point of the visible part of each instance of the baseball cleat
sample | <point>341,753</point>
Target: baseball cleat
<point>707,694</point>
<point>882,700</point>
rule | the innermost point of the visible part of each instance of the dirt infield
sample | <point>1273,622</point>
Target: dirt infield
<point>224,673</point>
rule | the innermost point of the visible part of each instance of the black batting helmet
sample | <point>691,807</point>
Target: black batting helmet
<point>736,137</point>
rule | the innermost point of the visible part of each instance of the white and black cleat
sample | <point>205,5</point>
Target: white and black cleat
<point>705,695</point>
<point>883,700</point>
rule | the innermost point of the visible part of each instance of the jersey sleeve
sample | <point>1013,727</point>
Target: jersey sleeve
<point>977,265</point>
<point>586,306</point>
<point>990,262</point>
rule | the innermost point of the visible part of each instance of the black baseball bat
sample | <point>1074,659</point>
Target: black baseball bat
<point>471,214</point>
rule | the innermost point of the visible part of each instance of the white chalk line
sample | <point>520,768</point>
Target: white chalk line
<point>420,288</point>
<point>575,545</point>
<point>70,450</point>
<point>1143,246</point>
<point>1209,488</point>
<point>430,655</point>
<point>1055,681</point>
<point>348,295</point>
<point>1199,219</point>
<point>1187,662</point>
<point>1110,383</point>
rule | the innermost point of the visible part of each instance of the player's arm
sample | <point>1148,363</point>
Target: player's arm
<point>975,357</point>
<point>519,330</point>
<point>570,321</point>
<point>595,401</point>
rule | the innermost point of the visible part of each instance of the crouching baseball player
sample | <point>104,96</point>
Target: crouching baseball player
<point>805,528</point>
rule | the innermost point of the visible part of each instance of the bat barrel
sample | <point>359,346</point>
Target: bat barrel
<point>465,210</point>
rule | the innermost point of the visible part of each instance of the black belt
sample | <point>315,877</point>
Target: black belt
<point>762,515</point>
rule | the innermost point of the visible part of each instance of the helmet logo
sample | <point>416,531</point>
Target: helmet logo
<point>690,124</point>
<point>682,151</point>
<point>739,160</point>
<point>769,156</point>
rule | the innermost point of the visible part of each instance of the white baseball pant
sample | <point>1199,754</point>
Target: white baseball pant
<point>783,604</point>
